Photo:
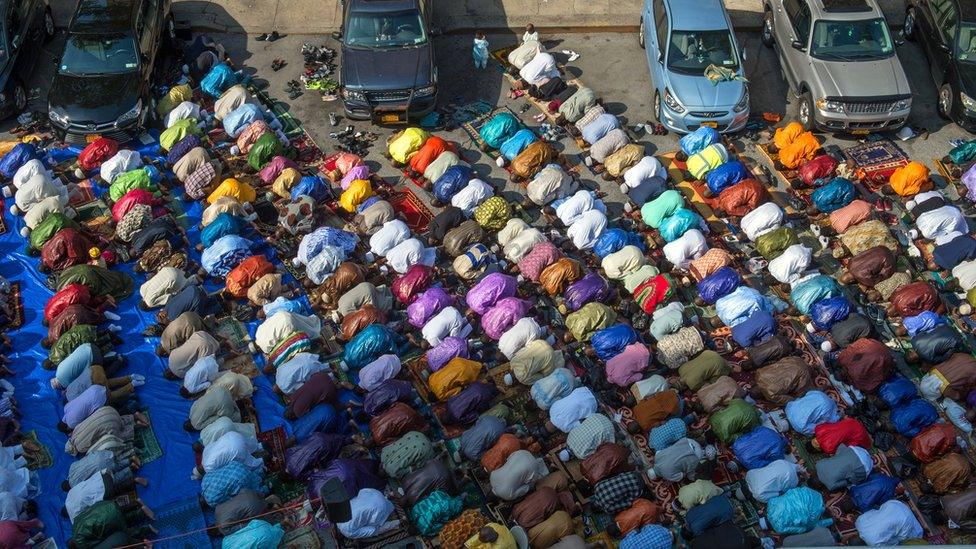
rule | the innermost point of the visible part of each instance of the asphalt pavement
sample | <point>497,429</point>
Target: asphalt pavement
<point>612,64</point>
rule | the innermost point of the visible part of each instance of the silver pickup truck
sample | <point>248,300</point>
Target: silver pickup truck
<point>838,57</point>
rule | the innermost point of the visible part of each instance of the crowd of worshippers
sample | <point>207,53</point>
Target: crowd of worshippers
<point>472,296</point>
<point>19,524</point>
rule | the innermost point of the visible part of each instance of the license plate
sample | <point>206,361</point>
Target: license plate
<point>710,124</point>
<point>389,118</point>
<point>92,137</point>
<point>860,132</point>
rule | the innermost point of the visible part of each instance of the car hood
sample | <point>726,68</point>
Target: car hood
<point>861,78</point>
<point>695,92</point>
<point>391,69</point>
<point>97,99</point>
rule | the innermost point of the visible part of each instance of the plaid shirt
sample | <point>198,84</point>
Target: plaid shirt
<point>223,483</point>
<point>652,536</point>
<point>593,431</point>
<point>667,433</point>
<point>197,183</point>
<point>617,493</point>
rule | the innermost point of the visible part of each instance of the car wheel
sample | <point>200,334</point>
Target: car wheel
<point>945,101</point>
<point>19,96</point>
<point>640,34</point>
<point>49,28</point>
<point>805,113</point>
<point>767,30</point>
<point>909,29</point>
<point>657,107</point>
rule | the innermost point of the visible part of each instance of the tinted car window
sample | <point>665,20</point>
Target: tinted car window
<point>112,54</point>
<point>692,51</point>
<point>661,24</point>
<point>851,40</point>
<point>801,23</point>
<point>384,30</point>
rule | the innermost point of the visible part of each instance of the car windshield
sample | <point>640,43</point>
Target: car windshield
<point>862,40</point>
<point>385,30</point>
<point>692,52</point>
<point>966,44</point>
<point>112,54</point>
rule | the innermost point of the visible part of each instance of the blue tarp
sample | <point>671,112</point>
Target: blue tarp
<point>41,406</point>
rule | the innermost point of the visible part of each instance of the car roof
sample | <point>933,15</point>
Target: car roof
<point>103,16</point>
<point>697,14</point>
<point>852,10</point>
<point>380,6</point>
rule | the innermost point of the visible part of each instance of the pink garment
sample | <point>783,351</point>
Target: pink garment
<point>628,367</point>
<point>447,349</point>
<point>541,256</point>
<point>415,280</point>
<point>129,200</point>
<point>274,168</point>
<point>427,305</point>
<point>506,312</point>
<point>250,135</point>
<point>347,161</point>
<point>483,295</point>
<point>358,172</point>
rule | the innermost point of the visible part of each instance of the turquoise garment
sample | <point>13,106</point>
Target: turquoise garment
<point>434,511</point>
<point>553,387</point>
<point>812,290</point>
<point>258,534</point>
<point>369,344</point>
<point>797,511</point>
<point>834,195</point>
<point>667,320</point>
<point>222,225</point>
<point>679,222</point>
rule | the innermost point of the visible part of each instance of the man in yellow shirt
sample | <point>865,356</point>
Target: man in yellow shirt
<point>492,536</point>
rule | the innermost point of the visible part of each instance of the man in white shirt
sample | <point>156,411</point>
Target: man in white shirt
<point>516,337</point>
<point>199,377</point>
<point>371,511</point>
<point>231,446</point>
<point>390,234</point>
<point>100,486</point>
<point>408,253</point>
<point>447,323</point>
<point>689,246</point>
<point>292,374</point>
<point>587,228</point>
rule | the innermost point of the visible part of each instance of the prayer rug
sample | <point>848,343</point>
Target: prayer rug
<point>183,521</point>
<point>416,214</point>
<point>283,486</point>
<point>692,190</point>
<point>461,114</point>
<point>176,209</point>
<point>234,332</point>
<point>289,124</point>
<point>83,193</point>
<point>17,304</point>
<point>146,441</point>
<point>416,367</point>
<point>249,413</point>
<point>38,455</point>
<point>274,442</point>
<point>947,171</point>
<point>242,364</point>
<point>876,161</point>
<point>473,129</point>
<point>303,537</point>
<point>91,210</point>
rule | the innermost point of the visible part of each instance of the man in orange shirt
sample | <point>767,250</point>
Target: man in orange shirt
<point>640,513</point>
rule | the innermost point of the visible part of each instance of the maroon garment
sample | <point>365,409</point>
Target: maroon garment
<point>609,459</point>
<point>355,321</point>
<point>395,422</point>
<point>71,316</point>
<point>15,533</point>
<point>916,298</point>
<point>868,363</point>
<point>411,283</point>
<point>818,168</point>
<point>872,266</point>
<point>67,248</point>
<point>317,389</point>
<point>540,505</point>
<point>933,442</point>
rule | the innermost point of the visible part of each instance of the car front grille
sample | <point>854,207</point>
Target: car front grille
<point>388,95</point>
<point>719,127</point>
<point>876,107</point>
<point>74,136</point>
<point>708,114</point>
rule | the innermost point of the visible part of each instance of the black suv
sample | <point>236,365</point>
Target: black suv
<point>946,30</point>
<point>388,71</point>
<point>101,86</point>
<point>26,25</point>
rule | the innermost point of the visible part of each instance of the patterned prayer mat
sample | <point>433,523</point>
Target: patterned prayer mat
<point>17,304</point>
<point>877,160</point>
<point>83,193</point>
<point>183,521</point>
<point>501,55</point>
<point>303,537</point>
<point>243,364</point>
<point>38,455</point>
<point>147,442</point>
<point>473,129</point>
<point>415,212</point>
<point>283,486</point>
<point>232,330</point>
<point>92,210</point>
<point>274,442</point>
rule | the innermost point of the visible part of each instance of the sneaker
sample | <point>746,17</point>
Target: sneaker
<point>112,316</point>
<point>824,241</point>
<point>137,380</point>
<point>573,56</point>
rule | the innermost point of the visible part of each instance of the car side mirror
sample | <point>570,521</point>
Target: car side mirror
<point>797,45</point>
<point>660,57</point>
<point>15,42</point>
<point>337,35</point>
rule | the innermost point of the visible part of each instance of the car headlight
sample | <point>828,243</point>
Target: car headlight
<point>830,106</point>
<point>355,95</point>
<point>672,102</point>
<point>426,90</point>
<point>903,104</point>
<point>130,114</point>
<point>967,102</point>
<point>743,103</point>
<point>57,116</point>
